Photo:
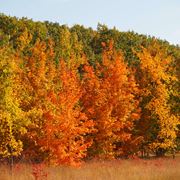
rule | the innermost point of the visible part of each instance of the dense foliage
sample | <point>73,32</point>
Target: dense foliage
<point>72,93</point>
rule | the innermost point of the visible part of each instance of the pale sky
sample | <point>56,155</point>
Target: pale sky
<point>160,18</point>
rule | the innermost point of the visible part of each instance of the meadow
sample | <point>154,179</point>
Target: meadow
<point>131,169</point>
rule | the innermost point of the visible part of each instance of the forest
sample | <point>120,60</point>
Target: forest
<point>68,94</point>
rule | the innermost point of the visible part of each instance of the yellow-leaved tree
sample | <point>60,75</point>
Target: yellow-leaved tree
<point>13,121</point>
<point>156,80</point>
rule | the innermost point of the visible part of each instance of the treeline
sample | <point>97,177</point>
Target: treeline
<point>72,93</point>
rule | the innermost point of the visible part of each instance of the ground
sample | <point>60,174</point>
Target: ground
<point>131,169</point>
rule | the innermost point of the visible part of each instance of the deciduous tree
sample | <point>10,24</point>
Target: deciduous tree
<point>110,101</point>
<point>156,87</point>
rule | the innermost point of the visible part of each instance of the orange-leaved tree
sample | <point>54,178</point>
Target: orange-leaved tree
<point>36,79</point>
<point>66,126</point>
<point>109,99</point>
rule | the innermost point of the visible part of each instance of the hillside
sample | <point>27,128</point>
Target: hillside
<point>70,93</point>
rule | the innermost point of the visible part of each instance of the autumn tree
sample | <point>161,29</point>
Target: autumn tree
<point>156,79</point>
<point>66,127</point>
<point>36,76</point>
<point>13,122</point>
<point>50,96</point>
<point>109,100</point>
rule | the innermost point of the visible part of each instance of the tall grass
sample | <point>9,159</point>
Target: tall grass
<point>136,169</point>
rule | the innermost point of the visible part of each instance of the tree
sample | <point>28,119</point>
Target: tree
<point>156,81</point>
<point>36,75</point>
<point>13,122</point>
<point>66,127</point>
<point>109,100</point>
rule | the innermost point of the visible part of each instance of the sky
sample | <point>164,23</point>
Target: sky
<point>159,18</point>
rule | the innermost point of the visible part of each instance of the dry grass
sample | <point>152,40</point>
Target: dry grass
<point>136,169</point>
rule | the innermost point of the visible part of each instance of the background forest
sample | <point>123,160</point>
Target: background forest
<point>69,94</point>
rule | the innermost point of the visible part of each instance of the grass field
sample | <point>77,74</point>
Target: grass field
<point>134,169</point>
